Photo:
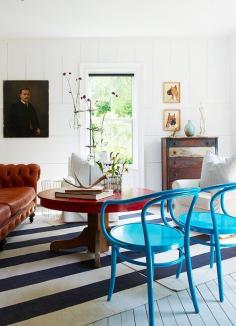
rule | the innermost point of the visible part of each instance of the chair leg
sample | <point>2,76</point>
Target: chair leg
<point>2,244</point>
<point>150,275</point>
<point>189,274</point>
<point>153,262</point>
<point>179,269</point>
<point>212,251</point>
<point>219,269</point>
<point>31,218</point>
<point>113,272</point>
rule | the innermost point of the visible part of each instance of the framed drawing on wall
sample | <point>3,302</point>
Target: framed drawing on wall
<point>171,120</point>
<point>171,92</point>
<point>25,108</point>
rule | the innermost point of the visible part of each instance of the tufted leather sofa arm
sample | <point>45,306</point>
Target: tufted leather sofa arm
<point>19,175</point>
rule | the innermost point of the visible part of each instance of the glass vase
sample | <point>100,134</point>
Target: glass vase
<point>114,183</point>
<point>189,129</point>
<point>74,121</point>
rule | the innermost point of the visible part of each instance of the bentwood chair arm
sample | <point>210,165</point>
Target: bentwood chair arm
<point>153,199</point>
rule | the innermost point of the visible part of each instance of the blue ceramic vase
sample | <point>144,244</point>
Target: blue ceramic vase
<point>189,129</point>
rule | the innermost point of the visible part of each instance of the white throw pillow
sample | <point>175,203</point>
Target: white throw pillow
<point>81,169</point>
<point>217,170</point>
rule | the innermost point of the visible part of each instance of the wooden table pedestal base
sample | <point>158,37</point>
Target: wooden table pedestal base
<point>91,237</point>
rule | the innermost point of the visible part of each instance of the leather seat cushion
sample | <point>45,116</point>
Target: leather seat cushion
<point>17,198</point>
<point>5,213</point>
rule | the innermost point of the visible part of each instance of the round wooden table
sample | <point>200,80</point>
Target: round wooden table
<point>91,236</point>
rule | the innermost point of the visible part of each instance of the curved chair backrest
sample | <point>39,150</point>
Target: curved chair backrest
<point>219,192</point>
<point>168,198</point>
<point>168,203</point>
<point>155,198</point>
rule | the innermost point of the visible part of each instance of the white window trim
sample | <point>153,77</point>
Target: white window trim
<point>138,148</point>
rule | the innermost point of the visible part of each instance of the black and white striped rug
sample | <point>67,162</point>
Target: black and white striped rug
<point>41,288</point>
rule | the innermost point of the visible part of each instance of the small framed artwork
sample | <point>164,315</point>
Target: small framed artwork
<point>25,108</point>
<point>171,120</point>
<point>171,92</point>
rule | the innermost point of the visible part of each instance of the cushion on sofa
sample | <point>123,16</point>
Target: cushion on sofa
<point>5,213</point>
<point>203,201</point>
<point>217,170</point>
<point>17,198</point>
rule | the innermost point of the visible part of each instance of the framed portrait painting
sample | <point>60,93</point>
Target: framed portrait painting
<point>171,92</point>
<point>25,108</point>
<point>171,120</point>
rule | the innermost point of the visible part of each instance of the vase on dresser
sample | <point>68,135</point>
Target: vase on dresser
<point>189,129</point>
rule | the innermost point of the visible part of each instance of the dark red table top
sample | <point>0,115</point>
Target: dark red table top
<point>48,200</point>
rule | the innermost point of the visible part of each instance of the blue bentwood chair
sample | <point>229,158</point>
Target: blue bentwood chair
<point>151,238</point>
<point>212,224</point>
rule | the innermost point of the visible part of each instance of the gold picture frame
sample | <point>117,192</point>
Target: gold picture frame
<point>171,120</point>
<point>171,92</point>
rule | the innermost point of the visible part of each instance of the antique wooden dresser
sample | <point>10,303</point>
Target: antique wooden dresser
<point>182,157</point>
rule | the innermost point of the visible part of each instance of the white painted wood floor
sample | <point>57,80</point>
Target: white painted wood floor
<point>177,308</point>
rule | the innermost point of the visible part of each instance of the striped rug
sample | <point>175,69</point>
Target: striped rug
<point>41,288</point>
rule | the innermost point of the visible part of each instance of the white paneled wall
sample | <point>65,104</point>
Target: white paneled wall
<point>201,65</point>
<point>233,92</point>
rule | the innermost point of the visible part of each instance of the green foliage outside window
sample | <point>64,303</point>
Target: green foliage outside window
<point>112,119</point>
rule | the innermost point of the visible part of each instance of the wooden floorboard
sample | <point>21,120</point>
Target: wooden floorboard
<point>115,320</point>
<point>140,316</point>
<point>158,317</point>
<point>195,319</point>
<point>166,312</point>
<point>214,306</point>
<point>226,306</point>
<point>177,309</point>
<point>127,318</point>
<point>205,313</point>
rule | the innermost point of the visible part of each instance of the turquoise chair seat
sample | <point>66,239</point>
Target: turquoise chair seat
<point>202,222</point>
<point>162,238</point>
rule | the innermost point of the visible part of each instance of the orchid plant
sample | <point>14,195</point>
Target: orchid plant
<point>116,166</point>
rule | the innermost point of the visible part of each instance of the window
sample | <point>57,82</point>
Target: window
<point>113,117</point>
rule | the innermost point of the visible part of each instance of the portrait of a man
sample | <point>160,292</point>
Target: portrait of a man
<point>25,108</point>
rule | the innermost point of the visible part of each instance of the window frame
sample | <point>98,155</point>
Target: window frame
<point>137,139</point>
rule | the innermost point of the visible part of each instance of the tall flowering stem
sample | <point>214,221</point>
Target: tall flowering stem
<point>75,99</point>
<point>92,145</point>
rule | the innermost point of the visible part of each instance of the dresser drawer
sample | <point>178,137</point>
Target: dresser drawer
<point>191,142</point>
<point>187,173</point>
<point>181,163</point>
<point>190,151</point>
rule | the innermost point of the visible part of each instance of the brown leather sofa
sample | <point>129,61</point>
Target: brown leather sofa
<point>18,189</point>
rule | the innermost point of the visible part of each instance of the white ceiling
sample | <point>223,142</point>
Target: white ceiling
<point>120,18</point>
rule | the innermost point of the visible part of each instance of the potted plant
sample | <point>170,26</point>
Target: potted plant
<point>114,170</point>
